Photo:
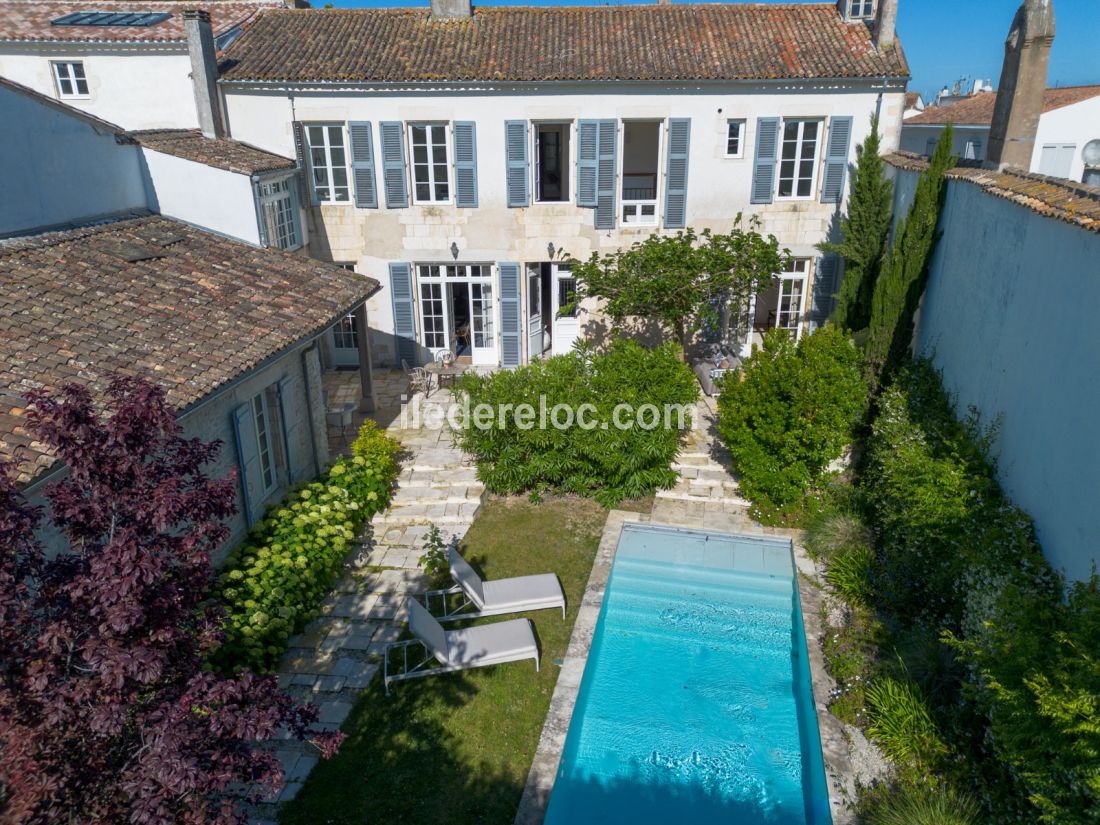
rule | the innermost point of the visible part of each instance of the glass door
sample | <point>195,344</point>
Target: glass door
<point>792,292</point>
<point>567,327</point>
<point>482,337</point>
<point>535,343</point>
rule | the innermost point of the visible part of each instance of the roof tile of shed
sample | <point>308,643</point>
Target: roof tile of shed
<point>220,153</point>
<point>155,297</point>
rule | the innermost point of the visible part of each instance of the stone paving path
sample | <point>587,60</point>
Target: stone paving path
<point>339,652</point>
<point>707,492</point>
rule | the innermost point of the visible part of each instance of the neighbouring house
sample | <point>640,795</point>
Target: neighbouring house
<point>74,167</point>
<point>914,105</point>
<point>125,62</point>
<point>231,332</point>
<point>1008,316</point>
<point>458,155</point>
<point>1070,119</point>
<point>198,298</point>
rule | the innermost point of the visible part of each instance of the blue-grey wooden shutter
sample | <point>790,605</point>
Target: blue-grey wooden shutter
<point>362,164</point>
<point>509,314</point>
<point>465,139</point>
<point>404,313</point>
<point>248,459</point>
<point>392,136</point>
<point>676,178</point>
<point>836,159</point>
<point>605,174</point>
<point>763,170</point>
<point>305,174</point>
<point>826,286</point>
<point>516,170</point>
<point>289,416</point>
<point>588,156</point>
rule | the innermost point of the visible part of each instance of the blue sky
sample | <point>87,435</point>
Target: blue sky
<point>944,39</point>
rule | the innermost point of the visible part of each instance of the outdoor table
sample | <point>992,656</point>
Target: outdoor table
<point>434,368</point>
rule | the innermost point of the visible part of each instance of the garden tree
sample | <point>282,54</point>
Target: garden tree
<point>107,712</point>
<point>863,234</point>
<point>682,281</point>
<point>905,271</point>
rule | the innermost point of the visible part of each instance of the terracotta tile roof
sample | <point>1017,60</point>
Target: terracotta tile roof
<point>912,99</point>
<point>150,296</point>
<point>977,110</point>
<point>30,20</point>
<point>221,153</point>
<point>1075,203</point>
<point>727,41</point>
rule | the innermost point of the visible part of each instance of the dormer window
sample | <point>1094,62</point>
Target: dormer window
<point>861,9</point>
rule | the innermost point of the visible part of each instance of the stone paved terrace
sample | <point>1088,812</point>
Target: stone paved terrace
<point>339,652</point>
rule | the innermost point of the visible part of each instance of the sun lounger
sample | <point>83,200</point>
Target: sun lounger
<point>451,650</point>
<point>494,598</point>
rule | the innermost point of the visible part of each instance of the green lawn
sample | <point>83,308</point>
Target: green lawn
<point>456,748</point>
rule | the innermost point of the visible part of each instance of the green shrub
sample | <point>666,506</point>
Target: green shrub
<point>901,723</point>
<point>849,573</point>
<point>273,583</point>
<point>830,533</point>
<point>435,560</point>
<point>603,462</point>
<point>922,803</point>
<point>793,412</point>
<point>942,521</point>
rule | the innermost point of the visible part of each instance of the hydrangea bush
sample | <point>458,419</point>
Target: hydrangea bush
<point>274,582</point>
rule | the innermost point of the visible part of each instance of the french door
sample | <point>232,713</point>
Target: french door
<point>535,334</point>
<point>457,312</point>
<point>567,327</point>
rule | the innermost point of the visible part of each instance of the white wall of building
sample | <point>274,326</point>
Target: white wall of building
<point>136,87</point>
<point>59,169</point>
<point>718,187</point>
<point>1009,317</point>
<point>1072,125</point>
<point>214,199</point>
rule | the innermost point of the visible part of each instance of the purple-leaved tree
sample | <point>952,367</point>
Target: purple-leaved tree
<point>108,712</point>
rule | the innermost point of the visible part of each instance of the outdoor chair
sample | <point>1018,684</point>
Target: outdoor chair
<point>419,379</point>
<point>481,598</point>
<point>453,650</point>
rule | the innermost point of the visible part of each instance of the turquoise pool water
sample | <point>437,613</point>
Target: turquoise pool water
<point>695,705</point>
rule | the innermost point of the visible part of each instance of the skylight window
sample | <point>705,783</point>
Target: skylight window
<point>111,18</point>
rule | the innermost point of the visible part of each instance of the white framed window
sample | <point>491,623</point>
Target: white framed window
<point>735,138</point>
<point>551,162</point>
<point>70,78</point>
<point>262,415</point>
<point>345,333</point>
<point>280,218</point>
<point>861,9</point>
<point>798,158</point>
<point>792,294</point>
<point>430,162</point>
<point>328,162</point>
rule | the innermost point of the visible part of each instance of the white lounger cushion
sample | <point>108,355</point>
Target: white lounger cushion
<point>492,643</point>
<point>474,646</point>
<point>506,595</point>
<point>527,592</point>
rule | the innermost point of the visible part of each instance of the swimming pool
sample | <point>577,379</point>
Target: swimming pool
<point>695,705</point>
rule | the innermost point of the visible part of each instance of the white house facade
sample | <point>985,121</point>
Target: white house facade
<point>463,177</point>
<point>126,63</point>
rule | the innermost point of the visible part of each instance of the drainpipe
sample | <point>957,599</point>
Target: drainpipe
<point>309,406</point>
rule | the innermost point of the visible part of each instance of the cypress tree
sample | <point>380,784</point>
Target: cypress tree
<point>905,270</point>
<point>863,232</point>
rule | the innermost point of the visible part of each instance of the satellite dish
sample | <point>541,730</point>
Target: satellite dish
<point>1091,153</point>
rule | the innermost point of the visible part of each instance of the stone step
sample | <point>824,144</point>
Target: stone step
<point>434,495</point>
<point>715,473</point>
<point>728,501</point>
<point>404,518</point>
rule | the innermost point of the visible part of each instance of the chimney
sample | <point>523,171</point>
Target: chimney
<point>886,24</point>
<point>204,71</point>
<point>452,9</point>
<point>1023,84</point>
